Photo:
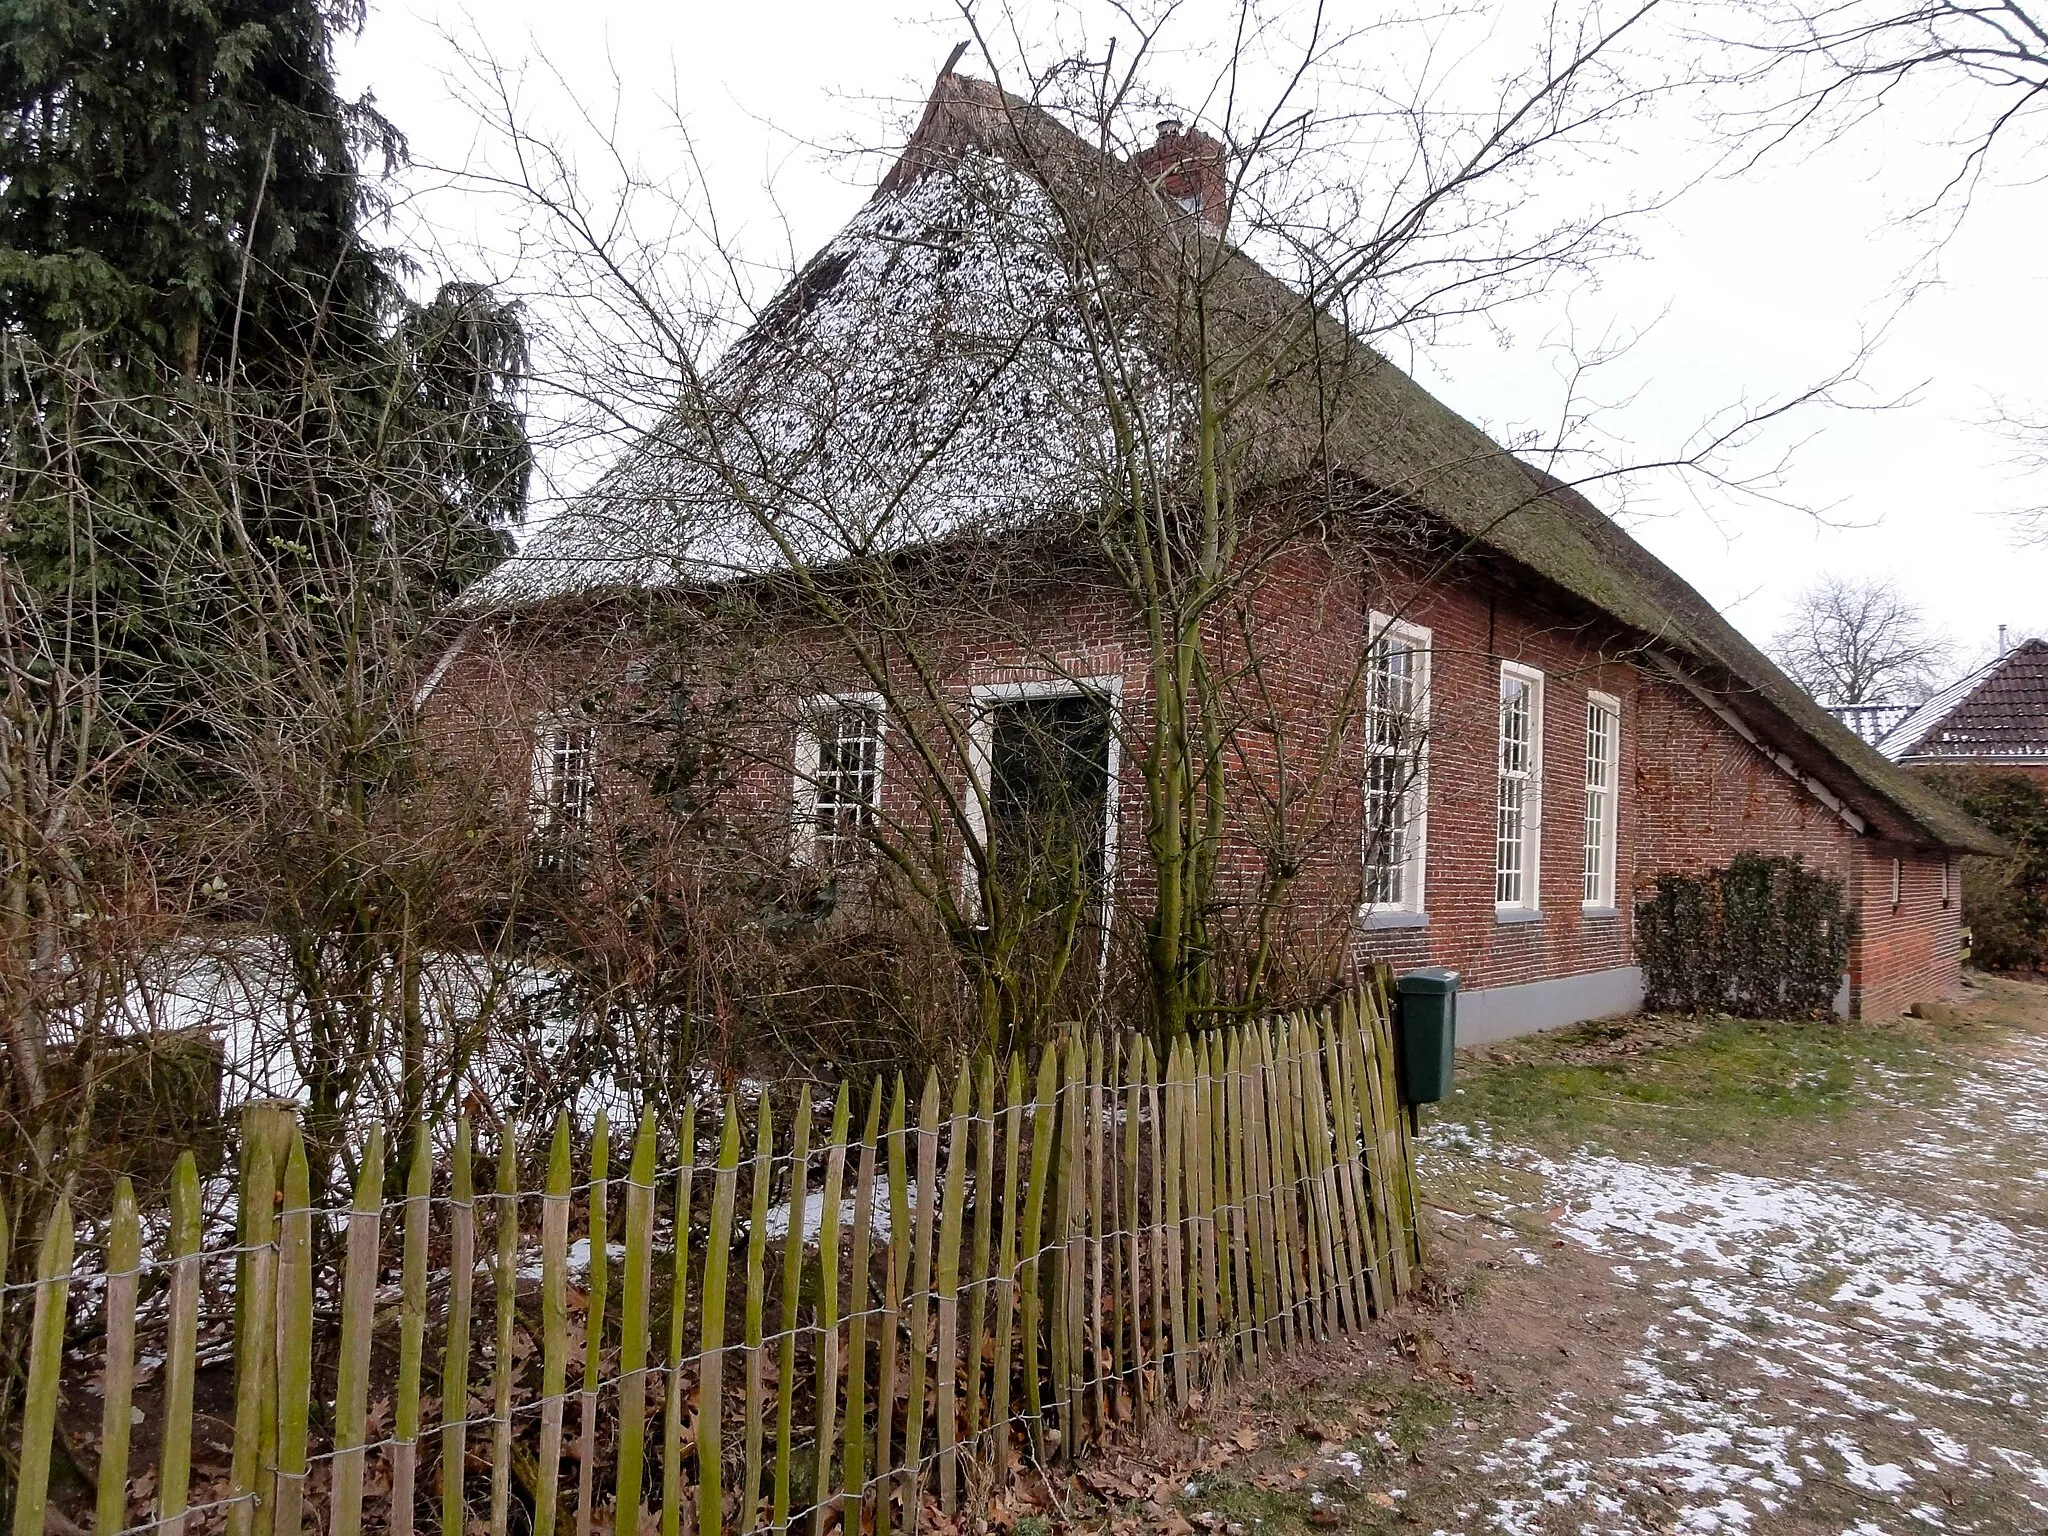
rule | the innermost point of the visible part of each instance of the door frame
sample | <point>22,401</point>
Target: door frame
<point>983,701</point>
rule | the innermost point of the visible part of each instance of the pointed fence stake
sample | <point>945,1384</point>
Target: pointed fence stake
<point>860,1291</point>
<point>757,1287</point>
<point>599,1237</point>
<point>679,1307</point>
<point>984,1130</point>
<point>181,1351</point>
<point>1006,1273</point>
<point>504,1280</point>
<point>45,1358</point>
<point>253,1459</point>
<point>830,1225</point>
<point>455,1355</point>
<point>633,1305</point>
<point>792,1287</point>
<point>711,1367</point>
<point>294,1338</point>
<point>352,1374</point>
<point>948,1291</point>
<point>117,1389</point>
<point>554,1330</point>
<point>412,1333</point>
<point>918,1298</point>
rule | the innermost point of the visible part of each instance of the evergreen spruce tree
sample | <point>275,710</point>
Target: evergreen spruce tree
<point>216,394</point>
<point>239,471</point>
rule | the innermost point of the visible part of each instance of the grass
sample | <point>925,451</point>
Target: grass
<point>1676,1084</point>
<point>1406,1410</point>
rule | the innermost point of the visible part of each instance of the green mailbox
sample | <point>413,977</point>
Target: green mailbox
<point>1426,1019</point>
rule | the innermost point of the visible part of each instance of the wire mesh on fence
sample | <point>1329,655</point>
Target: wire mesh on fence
<point>802,1336</point>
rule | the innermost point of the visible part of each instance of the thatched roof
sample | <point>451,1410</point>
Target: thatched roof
<point>934,374</point>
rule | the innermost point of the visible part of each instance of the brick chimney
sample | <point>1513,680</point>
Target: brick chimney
<point>1186,165</point>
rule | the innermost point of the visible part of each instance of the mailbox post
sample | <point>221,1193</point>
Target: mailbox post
<point>1426,1019</point>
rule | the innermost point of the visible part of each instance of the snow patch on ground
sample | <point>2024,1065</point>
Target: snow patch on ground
<point>1815,1334</point>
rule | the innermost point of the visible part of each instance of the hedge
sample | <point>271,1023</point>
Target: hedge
<point>2005,901</point>
<point>1763,937</point>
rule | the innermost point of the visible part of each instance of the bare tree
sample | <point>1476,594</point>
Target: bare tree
<point>1976,71</point>
<point>1860,642</point>
<point>1828,66</point>
<point>2025,433</point>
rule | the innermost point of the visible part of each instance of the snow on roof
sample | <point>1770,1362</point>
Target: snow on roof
<point>925,376</point>
<point>1998,713</point>
<point>1872,722</point>
<point>928,377</point>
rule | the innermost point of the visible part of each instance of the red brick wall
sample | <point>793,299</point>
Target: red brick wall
<point>1910,951</point>
<point>1692,793</point>
<point>1471,634</point>
<point>1705,795</point>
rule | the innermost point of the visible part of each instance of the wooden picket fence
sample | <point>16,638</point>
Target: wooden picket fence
<point>1064,1255</point>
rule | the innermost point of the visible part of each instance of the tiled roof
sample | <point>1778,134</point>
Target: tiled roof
<point>1873,722</point>
<point>1997,714</point>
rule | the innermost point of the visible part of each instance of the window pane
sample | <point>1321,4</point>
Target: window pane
<point>1514,725</point>
<point>848,786</point>
<point>1512,884</point>
<point>1603,740</point>
<point>1395,721</point>
<point>1386,831</point>
<point>1507,888</point>
<point>566,776</point>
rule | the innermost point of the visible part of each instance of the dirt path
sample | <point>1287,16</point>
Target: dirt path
<point>1836,1324</point>
<point>1853,1340</point>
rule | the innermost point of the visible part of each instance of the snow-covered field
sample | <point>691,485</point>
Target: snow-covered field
<point>1860,1347</point>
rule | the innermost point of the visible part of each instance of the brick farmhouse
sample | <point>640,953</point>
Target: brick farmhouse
<point>1474,719</point>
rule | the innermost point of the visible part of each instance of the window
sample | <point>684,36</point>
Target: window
<point>1898,873</point>
<point>1603,773</point>
<point>1396,793</point>
<point>1945,898</point>
<point>1519,802</point>
<point>838,778</point>
<point>564,781</point>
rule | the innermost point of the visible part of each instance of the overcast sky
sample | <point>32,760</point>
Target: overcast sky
<point>1746,288</point>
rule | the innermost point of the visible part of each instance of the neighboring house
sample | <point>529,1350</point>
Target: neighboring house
<point>1872,722</point>
<point>1553,717</point>
<point>1994,718</point>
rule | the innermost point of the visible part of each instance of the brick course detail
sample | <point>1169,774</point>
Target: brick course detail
<point>1692,793</point>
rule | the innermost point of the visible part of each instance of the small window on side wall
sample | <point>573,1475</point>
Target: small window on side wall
<point>838,779</point>
<point>564,785</point>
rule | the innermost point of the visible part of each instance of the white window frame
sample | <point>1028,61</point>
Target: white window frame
<point>1898,881</point>
<point>809,752</point>
<point>1945,878</point>
<point>1600,865</point>
<point>981,735</point>
<point>549,731</point>
<point>1529,899</point>
<point>1419,642</point>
